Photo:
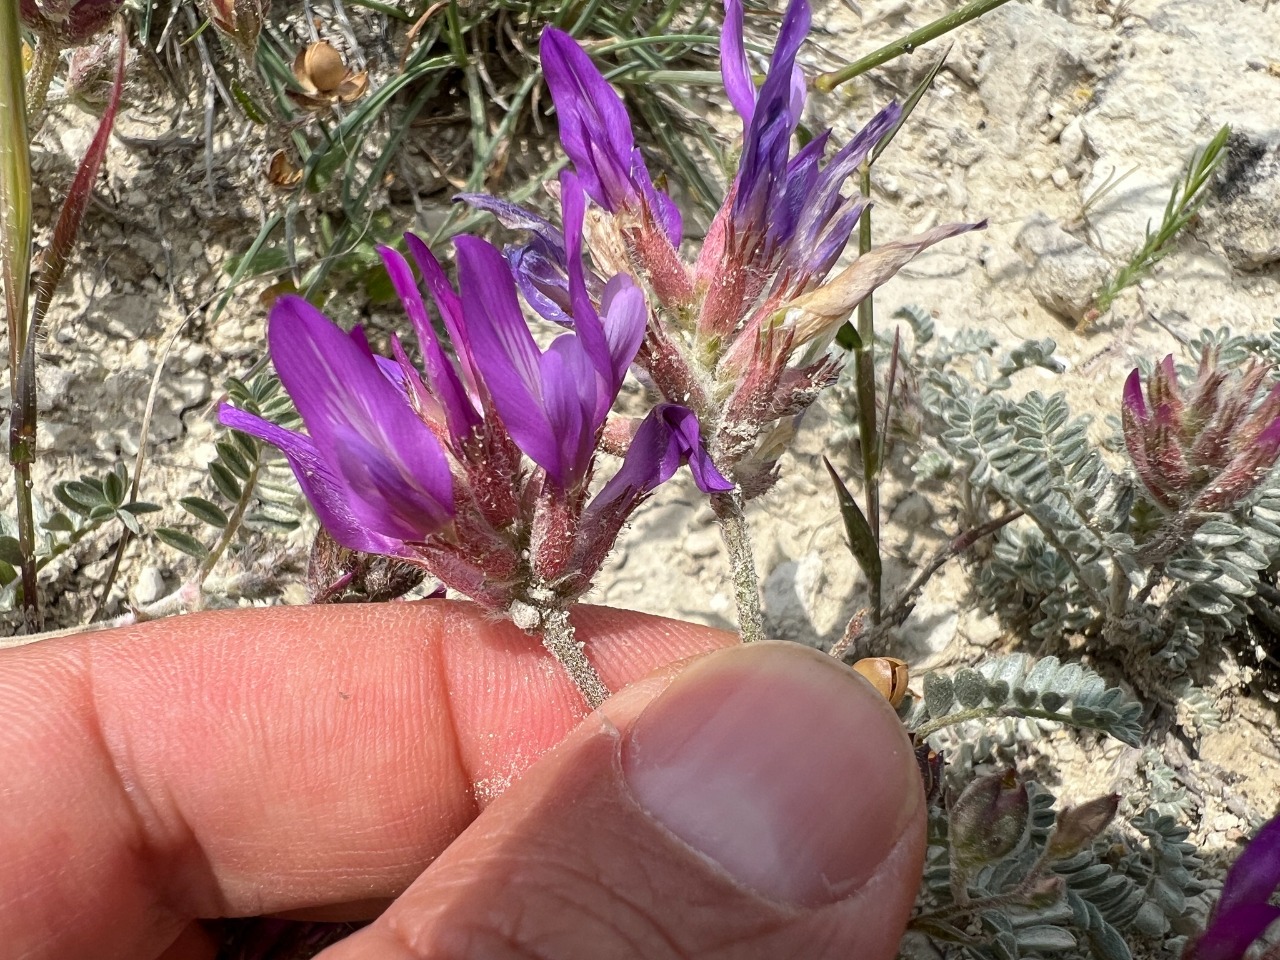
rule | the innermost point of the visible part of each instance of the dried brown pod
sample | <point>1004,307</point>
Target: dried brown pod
<point>282,171</point>
<point>889,675</point>
<point>325,78</point>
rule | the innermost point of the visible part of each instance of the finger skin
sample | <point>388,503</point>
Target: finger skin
<point>249,762</point>
<point>568,866</point>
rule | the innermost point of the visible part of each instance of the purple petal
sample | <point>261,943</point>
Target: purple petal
<point>665,209</point>
<point>569,380</point>
<point>1269,439</point>
<point>515,217</point>
<point>539,266</point>
<point>687,437</point>
<point>822,201</point>
<point>442,379</point>
<point>826,248</point>
<point>1231,932</point>
<point>594,127</point>
<point>401,487</point>
<point>797,185</point>
<point>427,407</point>
<point>543,283</point>
<point>1256,873</point>
<point>734,67</point>
<point>625,317</point>
<point>573,207</point>
<point>768,138</point>
<point>450,306</point>
<point>668,437</point>
<point>1133,396</point>
<point>504,350</point>
<point>799,91</point>
<point>328,495</point>
<point>611,343</point>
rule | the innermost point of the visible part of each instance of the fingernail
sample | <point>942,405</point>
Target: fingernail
<point>779,764</point>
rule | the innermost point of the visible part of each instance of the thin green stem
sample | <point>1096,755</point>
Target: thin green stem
<point>15,270</point>
<point>865,371</point>
<point>233,525</point>
<point>827,82</point>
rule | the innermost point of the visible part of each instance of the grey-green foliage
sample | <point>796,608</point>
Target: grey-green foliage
<point>259,489</point>
<point>1129,887</point>
<point>1093,554</point>
<point>1018,686</point>
<point>89,504</point>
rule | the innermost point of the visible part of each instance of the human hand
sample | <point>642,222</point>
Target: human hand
<point>758,802</point>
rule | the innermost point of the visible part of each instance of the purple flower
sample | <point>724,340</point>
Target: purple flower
<point>554,402</point>
<point>596,133</point>
<point>738,334</point>
<point>772,122</point>
<point>1244,911</point>
<point>424,463</point>
<point>372,469</point>
<point>668,437</point>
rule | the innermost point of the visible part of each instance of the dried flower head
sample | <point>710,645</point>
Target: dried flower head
<point>325,78</point>
<point>987,821</point>
<point>1077,827</point>
<point>740,333</point>
<point>1205,448</point>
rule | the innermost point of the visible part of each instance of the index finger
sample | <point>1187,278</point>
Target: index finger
<point>259,761</point>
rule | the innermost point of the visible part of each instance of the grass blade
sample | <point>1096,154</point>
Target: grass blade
<point>15,186</point>
<point>862,543</point>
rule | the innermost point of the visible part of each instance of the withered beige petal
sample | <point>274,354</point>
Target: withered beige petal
<point>819,312</point>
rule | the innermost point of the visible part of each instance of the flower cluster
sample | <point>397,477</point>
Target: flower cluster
<point>1203,449</point>
<point>739,334</point>
<point>1244,912</point>
<point>430,466</point>
<point>478,468</point>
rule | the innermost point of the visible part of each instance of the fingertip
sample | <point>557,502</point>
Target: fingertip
<point>765,798</point>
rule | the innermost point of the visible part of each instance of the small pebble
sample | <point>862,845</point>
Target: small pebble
<point>150,586</point>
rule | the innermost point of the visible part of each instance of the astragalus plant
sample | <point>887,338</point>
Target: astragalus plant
<point>738,326</point>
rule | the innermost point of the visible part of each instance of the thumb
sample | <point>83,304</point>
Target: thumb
<point>763,803</point>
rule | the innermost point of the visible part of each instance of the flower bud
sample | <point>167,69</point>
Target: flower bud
<point>1206,447</point>
<point>988,819</point>
<point>67,23</point>
<point>1077,827</point>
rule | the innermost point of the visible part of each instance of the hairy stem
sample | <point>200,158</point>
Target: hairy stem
<point>729,511</point>
<point>558,637</point>
<point>38,79</point>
